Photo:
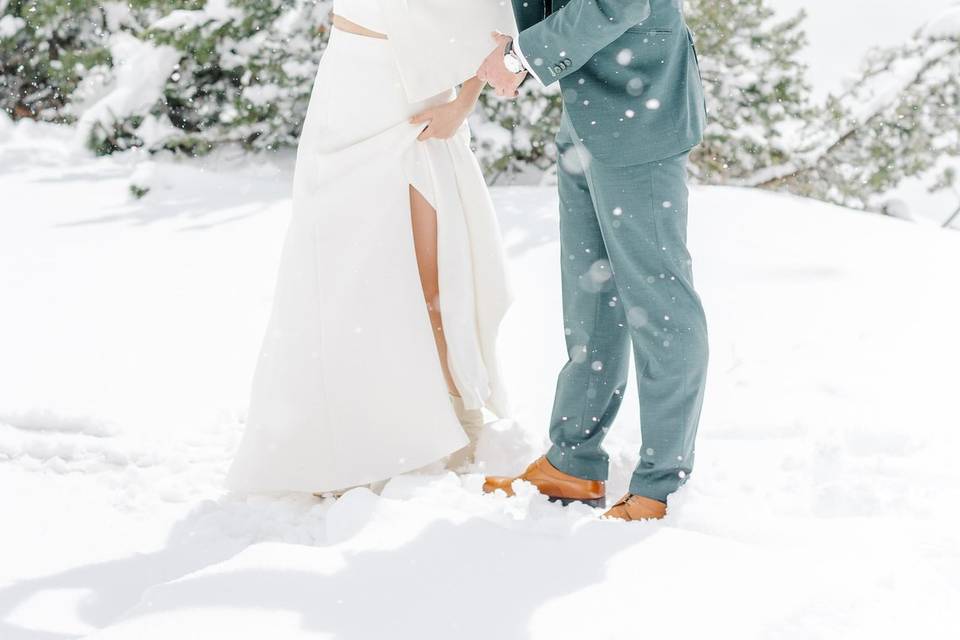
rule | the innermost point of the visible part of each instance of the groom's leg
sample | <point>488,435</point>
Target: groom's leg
<point>643,215</point>
<point>590,386</point>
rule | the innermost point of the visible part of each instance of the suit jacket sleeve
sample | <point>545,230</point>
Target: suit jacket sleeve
<point>569,37</point>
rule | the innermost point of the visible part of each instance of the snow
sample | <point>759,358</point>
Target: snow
<point>181,19</point>
<point>214,11</point>
<point>945,25</point>
<point>261,95</point>
<point>10,25</point>
<point>823,503</point>
<point>140,71</point>
<point>876,94</point>
<point>841,33</point>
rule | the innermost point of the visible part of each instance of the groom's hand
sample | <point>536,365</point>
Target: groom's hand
<point>496,73</point>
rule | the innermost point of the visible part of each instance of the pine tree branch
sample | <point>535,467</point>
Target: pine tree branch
<point>771,176</point>
<point>949,221</point>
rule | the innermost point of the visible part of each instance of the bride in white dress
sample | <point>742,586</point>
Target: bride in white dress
<point>381,349</point>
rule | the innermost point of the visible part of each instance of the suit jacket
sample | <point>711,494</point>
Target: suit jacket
<point>627,69</point>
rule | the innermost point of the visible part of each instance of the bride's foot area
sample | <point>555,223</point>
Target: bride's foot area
<point>375,487</point>
<point>472,422</point>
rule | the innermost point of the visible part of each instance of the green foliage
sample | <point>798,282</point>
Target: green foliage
<point>898,121</point>
<point>105,138</point>
<point>244,75</point>
<point>246,68</point>
<point>46,51</point>
<point>756,91</point>
<point>138,191</point>
<point>513,135</point>
<point>241,72</point>
<point>755,86</point>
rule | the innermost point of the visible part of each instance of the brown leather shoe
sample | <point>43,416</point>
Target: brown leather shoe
<point>631,507</point>
<point>553,483</point>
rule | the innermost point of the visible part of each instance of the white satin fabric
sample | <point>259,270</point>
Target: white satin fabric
<point>348,389</point>
<point>366,13</point>
<point>436,44</point>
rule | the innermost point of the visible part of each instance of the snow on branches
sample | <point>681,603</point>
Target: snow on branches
<point>191,75</point>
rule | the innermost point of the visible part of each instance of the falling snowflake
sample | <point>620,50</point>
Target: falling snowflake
<point>578,353</point>
<point>637,317</point>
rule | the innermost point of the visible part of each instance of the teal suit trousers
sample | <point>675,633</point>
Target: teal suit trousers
<point>627,281</point>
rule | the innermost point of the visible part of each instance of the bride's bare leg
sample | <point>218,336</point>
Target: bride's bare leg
<point>424,221</point>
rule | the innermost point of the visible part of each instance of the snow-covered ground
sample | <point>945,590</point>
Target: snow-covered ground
<point>824,504</point>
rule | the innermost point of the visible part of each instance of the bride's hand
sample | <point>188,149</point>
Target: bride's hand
<point>444,120</point>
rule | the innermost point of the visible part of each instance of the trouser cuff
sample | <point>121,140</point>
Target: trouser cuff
<point>565,461</point>
<point>657,486</point>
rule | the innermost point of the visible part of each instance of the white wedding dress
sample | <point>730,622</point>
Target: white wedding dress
<point>348,388</point>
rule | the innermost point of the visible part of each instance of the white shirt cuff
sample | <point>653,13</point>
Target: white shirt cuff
<point>523,60</point>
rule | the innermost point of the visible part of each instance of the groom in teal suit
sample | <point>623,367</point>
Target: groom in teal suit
<point>633,109</point>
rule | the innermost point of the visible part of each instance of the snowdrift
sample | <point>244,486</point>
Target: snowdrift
<point>823,505</point>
